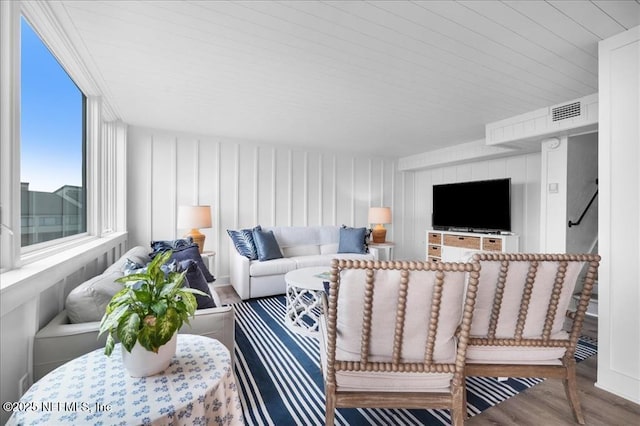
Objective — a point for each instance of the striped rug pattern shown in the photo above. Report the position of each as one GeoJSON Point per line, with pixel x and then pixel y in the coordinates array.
{"type": "Point", "coordinates": [280, 382]}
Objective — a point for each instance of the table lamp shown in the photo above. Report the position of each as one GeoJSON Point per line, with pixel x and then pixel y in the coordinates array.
{"type": "Point", "coordinates": [194, 218]}
{"type": "Point", "coordinates": [379, 216]}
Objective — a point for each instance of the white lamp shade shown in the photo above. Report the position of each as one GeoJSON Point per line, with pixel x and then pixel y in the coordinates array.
{"type": "Point", "coordinates": [380, 215]}
{"type": "Point", "coordinates": [190, 217]}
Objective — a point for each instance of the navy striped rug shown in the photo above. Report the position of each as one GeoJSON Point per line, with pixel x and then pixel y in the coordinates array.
{"type": "Point", "coordinates": [281, 384]}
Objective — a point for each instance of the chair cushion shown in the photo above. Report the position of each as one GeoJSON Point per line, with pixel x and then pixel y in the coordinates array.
{"type": "Point", "coordinates": [477, 354]}
{"type": "Point", "coordinates": [512, 296]}
{"type": "Point", "coordinates": [351, 306]}
{"type": "Point", "coordinates": [382, 381]}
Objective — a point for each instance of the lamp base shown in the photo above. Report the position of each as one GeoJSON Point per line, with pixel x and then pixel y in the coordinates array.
{"type": "Point", "coordinates": [378, 234]}
{"type": "Point", "coordinates": [198, 238]}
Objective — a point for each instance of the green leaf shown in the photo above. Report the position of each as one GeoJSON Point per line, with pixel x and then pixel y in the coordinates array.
{"type": "Point", "coordinates": [168, 289]}
{"type": "Point", "coordinates": [190, 302]}
{"type": "Point", "coordinates": [110, 320]}
{"type": "Point", "coordinates": [133, 277]}
{"type": "Point", "coordinates": [167, 325]}
{"type": "Point", "coordinates": [128, 330]}
{"type": "Point", "coordinates": [194, 291]}
{"type": "Point", "coordinates": [147, 338]}
{"type": "Point", "coordinates": [108, 348]}
{"type": "Point", "coordinates": [159, 307]}
{"type": "Point", "coordinates": [143, 296]}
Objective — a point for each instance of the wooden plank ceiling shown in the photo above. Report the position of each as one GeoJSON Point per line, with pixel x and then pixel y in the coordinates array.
{"type": "Point", "coordinates": [390, 78]}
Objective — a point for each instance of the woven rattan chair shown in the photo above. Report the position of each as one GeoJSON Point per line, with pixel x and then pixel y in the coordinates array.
{"type": "Point", "coordinates": [520, 310]}
{"type": "Point", "coordinates": [388, 336]}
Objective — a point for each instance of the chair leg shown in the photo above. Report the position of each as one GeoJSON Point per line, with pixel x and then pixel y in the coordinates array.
{"type": "Point", "coordinates": [571, 389]}
{"type": "Point", "coordinates": [330, 405]}
{"type": "Point", "coordinates": [458, 406]}
{"type": "Point", "coordinates": [464, 399]}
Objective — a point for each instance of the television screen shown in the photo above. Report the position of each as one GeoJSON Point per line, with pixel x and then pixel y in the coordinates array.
{"type": "Point", "coordinates": [480, 206]}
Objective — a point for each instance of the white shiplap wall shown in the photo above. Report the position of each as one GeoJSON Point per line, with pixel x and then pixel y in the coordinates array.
{"type": "Point", "coordinates": [248, 184]}
{"type": "Point", "coordinates": [524, 171]}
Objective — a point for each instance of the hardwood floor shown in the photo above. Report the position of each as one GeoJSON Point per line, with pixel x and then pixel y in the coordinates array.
{"type": "Point", "coordinates": [546, 404]}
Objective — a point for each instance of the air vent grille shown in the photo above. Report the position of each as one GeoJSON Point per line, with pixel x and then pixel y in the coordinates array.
{"type": "Point", "coordinates": [566, 111]}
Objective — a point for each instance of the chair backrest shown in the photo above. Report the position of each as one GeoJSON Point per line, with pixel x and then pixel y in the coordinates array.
{"type": "Point", "coordinates": [399, 316]}
{"type": "Point", "coordinates": [522, 299]}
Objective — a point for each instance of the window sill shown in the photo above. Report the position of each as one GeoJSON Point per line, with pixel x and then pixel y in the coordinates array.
{"type": "Point", "coordinates": [17, 286]}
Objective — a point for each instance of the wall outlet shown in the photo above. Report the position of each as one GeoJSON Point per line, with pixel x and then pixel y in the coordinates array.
{"type": "Point", "coordinates": [24, 384]}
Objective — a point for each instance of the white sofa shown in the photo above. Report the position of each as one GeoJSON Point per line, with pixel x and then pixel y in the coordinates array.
{"type": "Point", "coordinates": [301, 246]}
{"type": "Point", "coordinates": [61, 340]}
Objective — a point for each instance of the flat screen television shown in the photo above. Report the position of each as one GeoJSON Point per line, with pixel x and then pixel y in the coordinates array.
{"type": "Point", "coordinates": [478, 206]}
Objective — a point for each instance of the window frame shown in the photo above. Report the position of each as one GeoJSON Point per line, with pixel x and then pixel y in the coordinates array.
{"type": "Point", "coordinates": [105, 138]}
{"type": "Point", "coordinates": [36, 247]}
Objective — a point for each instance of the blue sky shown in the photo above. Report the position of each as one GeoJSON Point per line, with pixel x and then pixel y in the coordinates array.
{"type": "Point", "coordinates": [51, 119]}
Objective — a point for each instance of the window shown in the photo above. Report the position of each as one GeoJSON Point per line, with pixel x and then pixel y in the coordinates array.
{"type": "Point", "coordinates": [52, 151]}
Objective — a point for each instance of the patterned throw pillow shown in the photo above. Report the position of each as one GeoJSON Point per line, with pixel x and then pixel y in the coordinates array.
{"type": "Point", "coordinates": [164, 245]}
{"type": "Point", "coordinates": [244, 243]}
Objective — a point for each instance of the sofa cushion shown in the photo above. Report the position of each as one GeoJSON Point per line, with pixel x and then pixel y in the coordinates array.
{"type": "Point", "coordinates": [291, 236]}
{"type": "Point", "coordinates": [89, 300]}
{"type": "Point", "coordinates": [331, 248]}
{"type": "Point", "coordinates": [243, 242]}
{"type": "Point", "coordinates": [266, 245]}
{"type": "Point", "coordinates": [195, 279]}
{"type": "Point", "coordinates": [304, 250]}
{"type": "Point", "coordinates": [272, 267]}
{"type": "Point", "coordinates": [352, 240]}
{"type": "Point", "coordinates": [138, 255]}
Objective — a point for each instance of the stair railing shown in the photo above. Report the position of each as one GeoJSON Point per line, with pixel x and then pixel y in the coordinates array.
{"type": "Point", "coordinates": [585, 209]}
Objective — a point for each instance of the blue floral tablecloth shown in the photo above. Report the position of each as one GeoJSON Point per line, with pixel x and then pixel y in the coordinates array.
{"type": "Point", "coordinates": [198, 388]}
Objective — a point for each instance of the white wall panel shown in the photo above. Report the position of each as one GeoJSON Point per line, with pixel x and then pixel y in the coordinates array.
{"type": "Point", "coordinates": [524, 171]}
{"type": "Point", "coordinates": [619, 215]}
{"type": "Point", "coordinates": [249, 184]}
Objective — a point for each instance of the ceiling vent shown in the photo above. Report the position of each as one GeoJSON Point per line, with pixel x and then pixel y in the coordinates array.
{"type": "Point", "coordinates": [564, 112]}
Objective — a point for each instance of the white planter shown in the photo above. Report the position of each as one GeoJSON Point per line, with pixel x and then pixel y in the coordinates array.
{"type": "Point", "coordinates": [141, 362]}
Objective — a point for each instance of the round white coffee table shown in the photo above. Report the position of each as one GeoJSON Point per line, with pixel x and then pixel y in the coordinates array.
{"type": "Point", "coordinates": [304, 299]}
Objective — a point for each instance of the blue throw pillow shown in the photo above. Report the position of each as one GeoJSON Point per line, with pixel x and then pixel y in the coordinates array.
{"type": "Point", "coordinates": [195, 279]}
{"type": "Point", "coordinates": [266, 245]}
{"type": "Point", "coordinates": [192, 253]}
{"type": "Point", "coordinates": [352, 240]}
{"type": "Point", "coordinates": [164, 245]}
{"type": "Point", "coordinates": [243, 242]}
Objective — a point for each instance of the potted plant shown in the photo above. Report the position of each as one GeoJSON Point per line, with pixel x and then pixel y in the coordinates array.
{"type": "Point", "coordinates": [146, 315]}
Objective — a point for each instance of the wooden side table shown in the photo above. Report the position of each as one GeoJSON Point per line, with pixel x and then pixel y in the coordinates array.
{"type": "Point", "coordinates": [387, 247]}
